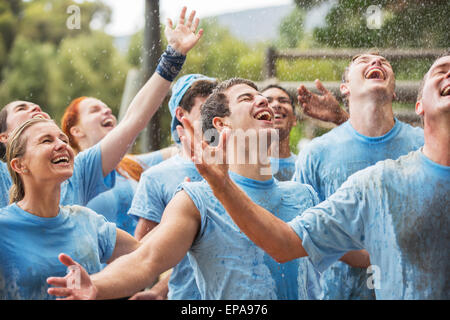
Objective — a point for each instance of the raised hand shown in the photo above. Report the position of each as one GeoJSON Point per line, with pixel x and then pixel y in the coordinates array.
{"type": "Point", "coordinates": [211, 162]}
{"type": "Point", "coordinates": [324, 107]}
{"type": "Point", "coordinates": [183, 37]}
{"type": "Point", "coordinates": [76, 285]}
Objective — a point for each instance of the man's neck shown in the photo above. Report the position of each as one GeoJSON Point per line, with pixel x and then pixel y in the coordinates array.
{"type": "Point", "coordinates": [437, 140]}
{"type": "Point", "coordinates": [261, 170]}
{"type": "Point", "coordinates": [372, 119]}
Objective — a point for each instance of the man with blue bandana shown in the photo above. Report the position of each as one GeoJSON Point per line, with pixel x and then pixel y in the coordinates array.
{"type": "Point", "coordinates": [158, 184]}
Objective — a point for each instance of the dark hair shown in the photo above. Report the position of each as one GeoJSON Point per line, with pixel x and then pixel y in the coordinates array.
{"type": "Point", "coordinates": [3, 128]}
{"type": "Point", "coordinates": [200, 88]}
{"type": "Point", "coordinates": [217, 105]}
{"type": "Point", "coordinates": [275, 86]}
{"type": "Point", "coordinates": [424, 79]}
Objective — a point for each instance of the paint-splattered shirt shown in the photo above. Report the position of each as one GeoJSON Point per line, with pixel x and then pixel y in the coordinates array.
{"type": "Point", "coordinates": [154, 191]}
{"type": "Point", "coordinates": [398, 210]}
{"type": "Point", "coordinates": [327, 161]}
{"type": "Point", "coordinates": [115, 203]}
{"type": "Point", "coordinates": [30, 246]}
{"type": "Point", "coordinates": [228, 265]}
{"type": "Point", "coordinates": [283, 168]}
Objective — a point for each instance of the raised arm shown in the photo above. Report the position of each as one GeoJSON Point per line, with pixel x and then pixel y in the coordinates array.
{"type": "Point", "coordinates": [273, 235]}
{"type": "Point", "coordinates": [166, 247]}
{"type": "Point", "coordinates": [180, 39]}
{"type": "Point", "coordinates": [323, 107]}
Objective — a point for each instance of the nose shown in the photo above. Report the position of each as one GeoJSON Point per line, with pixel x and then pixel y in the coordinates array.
{"type": "Point", "coordinates": [261, 101]}
{"type": "Point", "coordinates": [376, 62]}
{"type": "Point", "coordinates": [107, 111]}
{"type": "Point", "coordinates": [36, 108]}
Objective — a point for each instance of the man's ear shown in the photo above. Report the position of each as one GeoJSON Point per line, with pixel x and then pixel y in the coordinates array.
{"type": "Point", "coordinates": [220, 123]}
{"type": "Point", "coordinates": [419, 108]}
{"type": "Point", "coordinates": [344, 89]}
{"type": "Point", "coordinates": [179, 113]}
{"type": "Point", "coordinates": [76, 132]}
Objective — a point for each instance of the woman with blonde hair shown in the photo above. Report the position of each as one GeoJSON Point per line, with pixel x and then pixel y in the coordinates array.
{"type": "Point", "coordinates": [34, 228]}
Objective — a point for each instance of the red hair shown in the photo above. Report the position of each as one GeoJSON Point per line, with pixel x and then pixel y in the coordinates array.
{"type": "Point", "coordinates": [70, 119]}
{"type": "Point", "coordinates": [127, 167]}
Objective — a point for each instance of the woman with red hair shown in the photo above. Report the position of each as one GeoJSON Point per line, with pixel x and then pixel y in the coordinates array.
{"type": "Point", "coordinates": [86, 121]}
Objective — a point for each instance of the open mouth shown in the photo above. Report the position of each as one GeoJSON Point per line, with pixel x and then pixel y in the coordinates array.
{"type": "Point", "coordinates": [278, 116]}
{"type": "Point", "coordinates": [108, 123]}
{"type": "Point", "coordinates": [39, 115]}
{"type": "Point", "coordinates": [375, 73]}
{"type": "Point", "coordinates": [60, 160]}
{"type": "Point", "coordinates": [446, 91]}
{"type": "Point", "coordinates": [263, 115]}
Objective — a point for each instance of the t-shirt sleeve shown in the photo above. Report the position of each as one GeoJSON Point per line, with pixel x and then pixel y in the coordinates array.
{"type": "Point", "coordinates": [88, 177]}
{"type": "Point", "coordinates": [147, 160]}
{"type": "Point", "coordinates": [149, 199]}
{"type": "Point", "coordinates": [106, 234]}
{"type": "Point", "coordinates": [336, 225]}
{"type": "Point", "coordinates": [198, 195]}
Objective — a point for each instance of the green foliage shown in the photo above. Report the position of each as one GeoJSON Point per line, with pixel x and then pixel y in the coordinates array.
{"type": "Point", "coordinates": [404, 24]}
{"type": "Point", "coordinates": [291, 30]}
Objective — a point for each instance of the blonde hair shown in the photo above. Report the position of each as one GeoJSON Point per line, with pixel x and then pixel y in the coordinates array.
{"type": "Point", "coordinates": [16, 148]}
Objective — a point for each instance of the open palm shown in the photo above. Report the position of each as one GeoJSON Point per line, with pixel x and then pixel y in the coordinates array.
{"type": "Point", "coordinates": [183, 37]}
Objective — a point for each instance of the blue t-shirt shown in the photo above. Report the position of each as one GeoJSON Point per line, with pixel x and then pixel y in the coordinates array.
{"type": "Point", "coordinates": [86, 182]}
{"type": "Point", "coordinates": [398, 210]}
{"type": "Point", "coordinates": [228, 265]}
{"type": "Point", "coordinates": [30, 246]}
{"type": "Point", "coordinates": [284, 168]}
{"type": "Point", "coordinates": [154, 191]}
{"type": "Point", "coordinates": [115, 203]}
{"type": "Point", "coordinates": [327, 161]}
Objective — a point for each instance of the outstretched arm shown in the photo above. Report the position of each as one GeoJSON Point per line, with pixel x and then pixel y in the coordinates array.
{"type": "Point", "coordinates": [323, 107]}
{"type": "Point", "coordinates": [147, 101]}
{"type": "Point", "coordinates": [166, 247]}
{"type": "Point", "coordinates": [273, 235]}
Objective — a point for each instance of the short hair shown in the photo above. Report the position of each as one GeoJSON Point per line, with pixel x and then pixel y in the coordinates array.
{"type": "Point", "coordinates": [217, 104]}
{"type": "Point", "coordinates": [424, 79]}
{"type": "Point", "coordinates": [373, 52]}
{"type": "Point", "coordinates": [16, 148]}
{"type": "Point", "coordinates": [276, 86]}
{"type": "Point", "coordinates": [200, 88]}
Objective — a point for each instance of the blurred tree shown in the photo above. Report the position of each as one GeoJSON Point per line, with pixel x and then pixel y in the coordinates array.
{"type": "Point", "coordinates": [45, 20]}
{"type": "Point", "coordinates": [413, 23]}
{"type": "Point", "coordinates": [291, 29]}
{"type": "Point", "coordinates": [9, 12]}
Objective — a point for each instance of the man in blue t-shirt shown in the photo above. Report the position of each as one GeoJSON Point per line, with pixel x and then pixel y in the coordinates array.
{"type": "Point", "coordinates": [283, 106]}
{"type": "Point", "coordinates": [227, 264]}
{"type": "Point", "coordinates": [159, 183]}
{"type": "Point", "coordinates": [397, 210]}
{"type": "Point", "coordinates": [369, 135]}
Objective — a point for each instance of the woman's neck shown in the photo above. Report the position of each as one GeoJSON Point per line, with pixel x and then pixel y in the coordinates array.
{"type": "Point", "coordinates": [41, 201]}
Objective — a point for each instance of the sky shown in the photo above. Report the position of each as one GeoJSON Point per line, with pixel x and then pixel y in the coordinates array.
{"type": "Point", "coordinates": [128, 15]}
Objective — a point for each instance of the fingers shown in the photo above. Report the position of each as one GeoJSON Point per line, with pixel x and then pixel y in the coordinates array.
{"type": "Point", "coordinates": [57, 281]}
{"type": "Point", "coordinates": [190, 19]}
{"type": "Point", "coordinates": [60, 292]}
{"type": "Point", "coordinates": [182, 15]}
{"type": "Point", "coordinates": [169, 23]}
{"type": "Point", "coordinates": [320, 87]}
{"type": "Point", "coordinates": [66, 260]}
{"type": "Point", "coordinates": [195, 25]}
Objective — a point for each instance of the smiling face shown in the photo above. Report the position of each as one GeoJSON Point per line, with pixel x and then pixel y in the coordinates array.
{"type": "Point", "coordinates": [249, 109]}
{"type": "Point", "coordinates": [48, 155]}
{"type": "Point", "coordinates": [435, 97]}
{"type": "Point", "coordinates": [20, 111]}
{"type": "Point", "coordinates": [95, 122]}
{"type": "Point", "coordinates": [284, 117]}
{"type": "Point", "coordinates": [369, 75]}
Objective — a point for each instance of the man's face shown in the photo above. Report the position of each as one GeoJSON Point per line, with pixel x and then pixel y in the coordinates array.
{"type": "Point", "coordinates": [436, 90]}
{"type": "Point", "coordinates": [369, 74]}
{"type": "Point", "coordinates": [284, 117]}
{"type": "Point", "coordinates": [249, 109]}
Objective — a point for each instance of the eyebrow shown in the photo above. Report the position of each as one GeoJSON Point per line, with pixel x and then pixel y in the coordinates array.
{"type": "Point", "coordinates": [20, 105]}
{"type": "Point", "coordinates": [442, 65]}
{"type": "Point", "coordinates": [245, 95]}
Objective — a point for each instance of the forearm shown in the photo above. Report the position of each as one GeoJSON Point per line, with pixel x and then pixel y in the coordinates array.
{"type": "Point", "coordinates": [267, 231]}
{"type": "Point", "coordinates": [357, 258]}
{"type": "Point", "coordinates": [125, 276]}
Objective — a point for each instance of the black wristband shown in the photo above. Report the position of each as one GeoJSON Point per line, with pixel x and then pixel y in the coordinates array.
{"type": "Point", "coordinates": [170, 64]}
